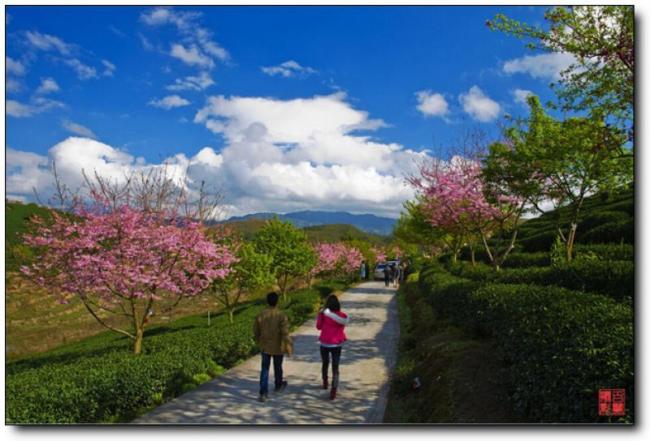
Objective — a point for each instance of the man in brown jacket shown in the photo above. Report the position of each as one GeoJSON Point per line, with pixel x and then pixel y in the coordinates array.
{"type": "Point", "coordinates": [271, 329]}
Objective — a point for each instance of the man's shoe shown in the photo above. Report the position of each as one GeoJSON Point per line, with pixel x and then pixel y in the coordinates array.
{"type": "Point", "coordinates": [262, 398]}
{"type": "Point", "coordinates": [281, 387]}
{"type": "Point", "coordinates": [325, 385]}
{"type": "Point", "coordinates": [333, 393]}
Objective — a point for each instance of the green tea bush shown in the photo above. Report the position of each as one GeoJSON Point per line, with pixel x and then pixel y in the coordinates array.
{"type": "Point", "coordinates": [561, 346]}
{"type": "Point", "coordinates": [539, 242]}
{"type": "Point", "coordinates": [604, 251]}
{"type": "Point", "coordinates": [611, 278]}
{"type": "Point", "coordinates": [100, 380]}
{"type": "Point", "coordinates": [600, 218]}
{"type": "Point", "coordinates": [612, 232]}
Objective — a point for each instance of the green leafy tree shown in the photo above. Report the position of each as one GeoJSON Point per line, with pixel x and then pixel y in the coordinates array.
{"type": "Point", "coordinates": [601, 40]}
{"type": "Point", "coordinates": [565, 162]}
{"type": "Point", "coordinates": [291, 254]}
{"type": "Point", "coordinates": [252, 271]}
{"type": "Point", "coordinates": [413, 228]}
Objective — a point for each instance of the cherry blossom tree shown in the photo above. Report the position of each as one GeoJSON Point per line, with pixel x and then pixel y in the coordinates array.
{"type": "Point", "coordinates": [119, 261]}
{"type": "Point", "coordinates": [457, 201]}
{"type": "Point", "coordinates": [337, 259]}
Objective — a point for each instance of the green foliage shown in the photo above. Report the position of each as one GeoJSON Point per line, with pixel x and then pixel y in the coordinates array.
{"type": "Point", "coordinates": [558, 253]}
{"type": "Point", "coordinates": [606, 251]}
{"type": "Point", "coordinates": [17, 217]}
{"type": "Point", "coordinates": [289, 250]}
{"type": "Point", "coordinates": [250, 273]}
{"type": "Point", "coordinates": [601, 38]}
{"type": "Point", "coordinates": [561, 346]}
{"type": "Point", "coordinates": [610, 278]}
{"type": "Point", "coordinates": [616, 232]}
{"type": "Point", "coordinates": [99, 380]}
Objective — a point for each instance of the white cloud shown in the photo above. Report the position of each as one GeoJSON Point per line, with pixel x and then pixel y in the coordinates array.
{"type": "Point", "coordinates": [521, 95]}
{"type": "Point", "coordinates": [431, 104]}
{"type": "Point", "coordinates": [109, 68]}
{"type": "Point", "coordinates": [544, 66]}
{"type": "Point", "coordinates": [18, 110]}
{"type": "Point", "coordinates": [84, 72]}
{"type": "Point", "coordinates": [278, 155]}
{"type": "Point", "coordinates": [198, 46]}
{"type": "Point", "coordinates": [116, 31]}
{"type": "Point", "coordinates": [48, 85]}
{"type": "Point", "coordinates": [169, 102]}
{"type": "Point", "coordinates": [13, 85]}
{"type": "Point", "coordinates": [46, 42]}
{"type": "Point", "coordinates": [37, 105]}
{"type": "Point", "coordinates": [198, 82]}
{"type": "Point", "coordinates": [26, 171]}
{"type": "Point", "coordinates": [15, 67]}
{"type": "Point", "coordinates": [146, 44]}
{"type": "Point", "coordinates": [78, 129]}
{"type": "Point", "coordinates": [288, 69]}
{"type": "Point", "coordinates": [191, 55]}
{"type": "Point", "coordinates": [478, 105]}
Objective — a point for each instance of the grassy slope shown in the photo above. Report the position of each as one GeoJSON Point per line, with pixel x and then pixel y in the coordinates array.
{"type": "Point", "coordinates": [458, 373]}
{"type": "Point", "coordinates": [37, 322]}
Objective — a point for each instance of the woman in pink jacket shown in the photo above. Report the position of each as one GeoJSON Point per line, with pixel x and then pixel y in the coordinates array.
{"type": "Point", "coordinates": [331, 322]}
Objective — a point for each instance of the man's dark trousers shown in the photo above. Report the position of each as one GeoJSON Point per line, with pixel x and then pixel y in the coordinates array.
{"type": "Point", "coordinates": [277, 371]}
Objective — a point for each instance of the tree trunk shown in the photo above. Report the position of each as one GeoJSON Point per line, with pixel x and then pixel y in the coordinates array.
{"type": "Point", "coordinates": [231, 315]}
{"type": "Point", "coordinates": [570, 240]}
{"type": "Point", "coordinates": [137, 344]}
{"type": "Point", "coordinates": [472, 255]}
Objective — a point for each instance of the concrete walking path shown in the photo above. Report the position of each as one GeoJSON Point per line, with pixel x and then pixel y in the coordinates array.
{"type": "Point", "coordinates": [367, 359]}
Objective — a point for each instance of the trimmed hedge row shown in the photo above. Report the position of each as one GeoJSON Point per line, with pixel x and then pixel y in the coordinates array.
{"type": "Point", "coordinates": [561, 346]}
{"type": "Point", "coordinates": [614, 279]}
{"type": "Point", "coordinates": [87, 383]}
{"type": "Point", "coordinates": [605, 251]}
{"type": "Point", "coordinates": [612, 232]}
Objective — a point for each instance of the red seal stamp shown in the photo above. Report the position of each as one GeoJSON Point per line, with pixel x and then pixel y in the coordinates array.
{"type": "Point", "coordinates": [611, 402]}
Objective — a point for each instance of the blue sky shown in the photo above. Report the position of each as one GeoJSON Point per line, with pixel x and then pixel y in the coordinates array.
{"type": "Point", "coordinates": [346, 94]}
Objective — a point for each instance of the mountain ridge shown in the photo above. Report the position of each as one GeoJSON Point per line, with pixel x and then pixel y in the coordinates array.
{"type": "Point", "coordinates": [369, 223]}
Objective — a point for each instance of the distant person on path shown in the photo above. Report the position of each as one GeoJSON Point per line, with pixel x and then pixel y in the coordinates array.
{"type": "Point", "coordinates": [397, 274]}
{"type": "Point", "coordinates": [331, 322]}
{"type": "Point", "coordinates": [363, 270]}
{"type": "Point", "coordinates": [367, 271]}
{"type": "Point", "coordinates": [386, 275]}
{"type": "Point", "coordinates": [271, 330]}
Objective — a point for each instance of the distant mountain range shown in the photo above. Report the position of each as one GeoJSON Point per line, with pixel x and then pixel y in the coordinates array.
{"type": "Point", "coordinates": [365, 222]}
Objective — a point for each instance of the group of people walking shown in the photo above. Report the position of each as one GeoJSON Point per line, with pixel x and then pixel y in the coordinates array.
{"type": "Point", "coordinates": [271, 330]}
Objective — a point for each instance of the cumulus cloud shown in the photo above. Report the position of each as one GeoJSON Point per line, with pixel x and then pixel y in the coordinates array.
{"type": "Point", "coordinates": [109, 68]}
{"type": "Point", "coordinates": [48, 85]}
{"type": "Point", "coordinates": [478, 105]}
{"type": "Point", "coordinates": [84, 72]}
{"type": "Point", "coordinates": [521, 95]}
{"type": "Point", "coordinates": [193, 82]}
{"type": "Point", "coordinates": [278, 155]}
{"type": "Point", "coordinates": [431, 104]}
{"type": "Point", "coordinates": [12, 85]}
{"type": "Point", "coordinates": [197, 46]}
{"type": "Point", "coordinates": [169, 102]}
{"type": "Point", "coordinates": [543, 66]}
{"type": "Point", "coordinates": [46, 42]}
{"type": "Point", "coordinates": [288, 69]}
{"type": "Point", "coordinates": [37, 105]}
{"type": "Point", "coordinates": [191, 56]}
{"type": "Point", "coordinates": [78, 129]}
{"type": "Point", "coordinates": [15, 67]}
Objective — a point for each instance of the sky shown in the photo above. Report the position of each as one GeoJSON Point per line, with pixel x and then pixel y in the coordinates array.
{"type": "Point", "coordinates": [280, 108]}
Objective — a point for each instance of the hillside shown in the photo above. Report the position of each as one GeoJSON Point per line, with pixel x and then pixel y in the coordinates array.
{"type": "Point", "coordinates": [603, 219]}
